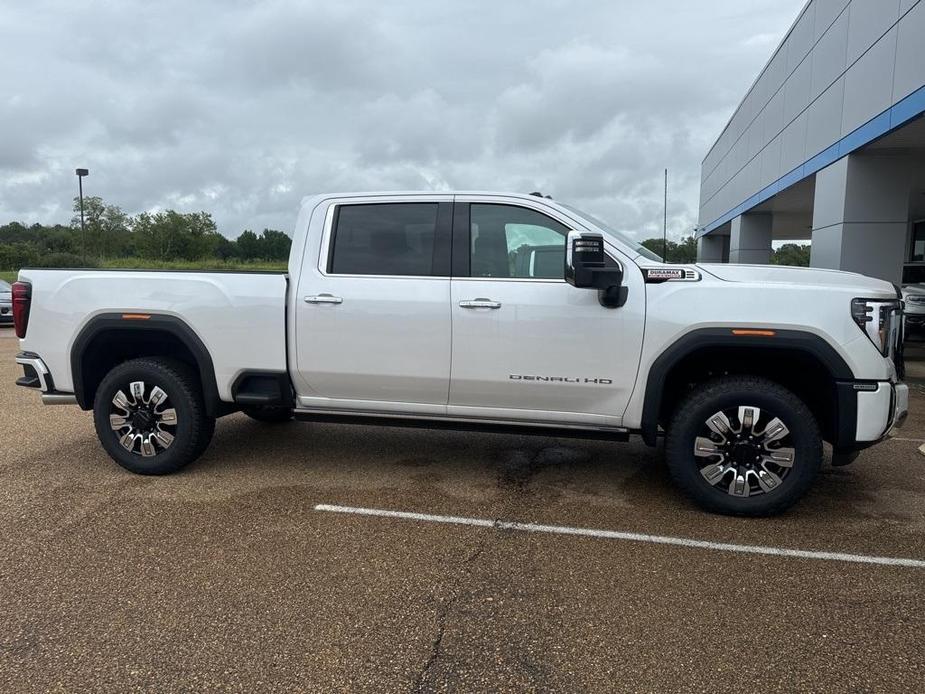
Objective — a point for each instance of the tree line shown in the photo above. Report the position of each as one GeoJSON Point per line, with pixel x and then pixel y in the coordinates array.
{"type": "Point", "coordinates": [166, 237]}
{"type": "Point", "coordinates": [686, 252]}
{"type": "Point", "coordinates": [110, 234]}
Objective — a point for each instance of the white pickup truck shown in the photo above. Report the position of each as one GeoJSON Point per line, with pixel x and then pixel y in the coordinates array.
{"type": "Point", "coordinates": [481, 311]}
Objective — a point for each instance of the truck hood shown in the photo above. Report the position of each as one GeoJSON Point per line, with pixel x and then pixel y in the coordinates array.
{"type": "Point", "coordinates": [780, 274]}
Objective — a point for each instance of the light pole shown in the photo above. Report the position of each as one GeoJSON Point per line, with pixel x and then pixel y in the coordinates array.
{"type": "Point", "coordinates": [665, 223]}
{"type": "Point", "coordinates": [83, 231]}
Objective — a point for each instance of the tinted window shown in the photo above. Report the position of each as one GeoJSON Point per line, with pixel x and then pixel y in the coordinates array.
{"type": "Point", "coordinates": [509, 241]}
{"type": "Point", "coordinates": [918, 242]}
{"type": "Point", "coordinates": [384, 239]}
{"type": "Point", "coordinates": [914, 274]}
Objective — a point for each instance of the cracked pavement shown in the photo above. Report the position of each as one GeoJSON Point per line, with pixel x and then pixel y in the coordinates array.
{"type": "Point", "coordinates": [225, 578]}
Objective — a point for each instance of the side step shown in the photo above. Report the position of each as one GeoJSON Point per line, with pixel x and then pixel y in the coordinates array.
{"type": "Point", "coordinates": [462, 424]}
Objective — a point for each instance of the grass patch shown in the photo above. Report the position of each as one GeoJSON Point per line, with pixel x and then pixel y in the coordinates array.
{"type": "Point", "coordinates": [205, 264]}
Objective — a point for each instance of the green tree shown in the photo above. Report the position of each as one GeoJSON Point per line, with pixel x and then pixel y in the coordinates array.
{"type": "Point", "coordinates": [684, 252]}
{"type": "Point", "coordinates": [107, 228]}
{"type": "Point", "coordinates": [248, 244]}
{"type": "Point", "coordinates": [171, 235]}
{"type": "Point", "coordinates": [791, 254]}
{"type": "Point", "coordinates": [276, 245]}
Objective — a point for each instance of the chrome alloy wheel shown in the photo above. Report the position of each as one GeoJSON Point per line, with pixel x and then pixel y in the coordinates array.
{"type": "Point", "coordinates": [744, 451]}
{"type": "Point", "coordinates": [142, 420]}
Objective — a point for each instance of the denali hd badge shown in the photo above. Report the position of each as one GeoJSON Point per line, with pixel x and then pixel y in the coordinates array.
{"type": "Point", "coordinates": [561, 379]}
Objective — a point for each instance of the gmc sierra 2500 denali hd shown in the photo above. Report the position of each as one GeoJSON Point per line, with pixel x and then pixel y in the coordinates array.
{"type": "Point", "coordinates": [481, 310]}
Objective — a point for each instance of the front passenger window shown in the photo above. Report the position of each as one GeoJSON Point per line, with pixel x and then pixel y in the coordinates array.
{"type": "Point", "coordinates": [515, 242]}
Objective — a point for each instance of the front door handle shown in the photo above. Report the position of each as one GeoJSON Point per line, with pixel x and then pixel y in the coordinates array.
{"type": "Point", "coordinates": [480, 303]}
{"type": "Point", "coordinates": [323, 299]}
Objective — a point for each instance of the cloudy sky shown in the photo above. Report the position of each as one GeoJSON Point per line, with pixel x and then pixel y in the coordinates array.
{"type": "Point", "coordinates": [241, 108]}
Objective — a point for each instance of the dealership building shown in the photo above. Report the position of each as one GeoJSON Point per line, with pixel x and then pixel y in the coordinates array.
{"type": "Point", "coordinates": [828, 145]}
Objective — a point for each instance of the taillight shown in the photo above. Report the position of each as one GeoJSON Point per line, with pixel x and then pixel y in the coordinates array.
{"type": "Point", "coordinates": [22, 300]}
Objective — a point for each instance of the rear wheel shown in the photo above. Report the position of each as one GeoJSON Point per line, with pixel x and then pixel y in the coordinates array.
{"type": "Point", "coordinates": [744, 446]}
{"type": "Point", "coordinates": [150, 417]}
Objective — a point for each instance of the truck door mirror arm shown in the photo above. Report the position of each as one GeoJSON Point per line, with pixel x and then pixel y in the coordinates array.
{"type": "Point", "coordinates": [585, 268]}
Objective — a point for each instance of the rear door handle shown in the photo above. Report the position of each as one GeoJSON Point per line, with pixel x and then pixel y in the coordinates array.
{"type": "Point", "coordinates": [323, 299]}
{"type": "Point", "coordinates": [480, 303]}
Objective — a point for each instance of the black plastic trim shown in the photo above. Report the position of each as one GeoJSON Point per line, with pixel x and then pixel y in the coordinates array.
{"type": "Point", "coordinates": [156, 323]}
{"type": "Point", "coordinates": [461, 240]}
{"type": "Point", "coordinates": [443, 240]}
{"type": "Point", "coordinates": [847, 419]}
{"type": "Point", "coordinates": [29, 379]}
{"type": "Point", "coordinates": [411, 421]}
{"type": "Point", "coordinates": [784, 340]}
{"type": "Point", "coordinates": [263, 389]}
{"type": "Point", "coordinates": [32, 380]}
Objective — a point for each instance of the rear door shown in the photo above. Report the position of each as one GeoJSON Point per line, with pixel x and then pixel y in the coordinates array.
{"type": "Point", "coordinates": [372, 318]}
{"type": "Point", "coordinates": [527, 345]}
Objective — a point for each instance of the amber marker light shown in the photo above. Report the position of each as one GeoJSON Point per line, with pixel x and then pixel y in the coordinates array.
{"type": "Point", "coordinates": [754, 333]}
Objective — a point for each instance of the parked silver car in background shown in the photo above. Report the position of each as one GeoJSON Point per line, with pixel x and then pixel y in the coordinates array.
{"type": "Point", "coordinates": [6, 304]}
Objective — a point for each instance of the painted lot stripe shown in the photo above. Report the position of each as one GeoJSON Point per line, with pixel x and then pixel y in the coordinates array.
{"type": "Point", "coordinates": [625, 536]}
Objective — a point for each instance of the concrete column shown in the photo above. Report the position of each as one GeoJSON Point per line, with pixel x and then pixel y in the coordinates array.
{"type": "Point", "coordinates": [750, 239]}
{"type": "Point", "coordinates": [710, 249]}
{"type": "Point", "coordinates": [861, 215]}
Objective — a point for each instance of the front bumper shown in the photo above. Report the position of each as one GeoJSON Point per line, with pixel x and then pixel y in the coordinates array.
{"type": "Point", "coordinates": [868, 411]}
{"type": "Point", "coordinates": [6, 314]}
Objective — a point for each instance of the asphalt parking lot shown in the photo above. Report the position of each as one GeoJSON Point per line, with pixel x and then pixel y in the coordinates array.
{"type": "Point", "coordinates": [226, 577]}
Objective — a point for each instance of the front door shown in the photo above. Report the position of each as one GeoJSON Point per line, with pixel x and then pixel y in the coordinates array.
{"type": "Point", "coordinates": [373, 318]}
{"type": "Point", "coordinates": [526, 344]}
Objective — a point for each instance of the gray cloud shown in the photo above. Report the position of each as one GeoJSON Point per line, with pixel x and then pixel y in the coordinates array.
{"type": "Point", "coordinates": [242, 108]}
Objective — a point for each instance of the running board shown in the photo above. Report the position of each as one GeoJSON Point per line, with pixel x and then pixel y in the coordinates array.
{"type": "Point", "coordinates": [461, 424]}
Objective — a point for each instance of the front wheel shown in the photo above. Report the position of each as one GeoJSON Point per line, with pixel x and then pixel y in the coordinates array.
{"type": "Point", "coordinates": [743, 446]}
{"type": "Point", "coordinates": [150, 417]}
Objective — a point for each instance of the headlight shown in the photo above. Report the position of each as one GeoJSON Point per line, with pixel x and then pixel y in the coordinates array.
{"type": "Point", "coordinates": [880, 320]}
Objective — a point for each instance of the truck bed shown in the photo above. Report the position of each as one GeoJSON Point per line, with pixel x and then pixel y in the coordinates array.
{"type": "Point", "coordinates": [239, 316]}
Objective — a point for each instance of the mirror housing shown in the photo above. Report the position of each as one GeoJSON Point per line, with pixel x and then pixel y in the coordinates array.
{"type": "Point", "coordinates": [585, 268]}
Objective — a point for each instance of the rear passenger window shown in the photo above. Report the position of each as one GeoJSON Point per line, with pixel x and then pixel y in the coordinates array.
{"type": "Point", "coordinates": [384, 239]}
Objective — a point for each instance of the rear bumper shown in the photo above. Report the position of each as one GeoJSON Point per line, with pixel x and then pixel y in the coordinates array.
{"type": "Point", "coordinates": [37, 377]}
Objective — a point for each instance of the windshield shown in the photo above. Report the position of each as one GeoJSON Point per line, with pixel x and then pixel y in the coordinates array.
{"type": "Point", "coordinates": [5, 287]}
{"type": "Point", "coordinates": [632, 243]}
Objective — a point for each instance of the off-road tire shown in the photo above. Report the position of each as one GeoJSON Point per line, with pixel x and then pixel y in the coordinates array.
{"type": "Point", "coordinates": [191, 433]}
{"type": "Point", "coordinates": [725, 394]}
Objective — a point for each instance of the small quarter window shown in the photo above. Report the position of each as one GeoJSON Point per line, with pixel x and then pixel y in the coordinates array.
{"type": "Point", "coordinates": [384, 239]}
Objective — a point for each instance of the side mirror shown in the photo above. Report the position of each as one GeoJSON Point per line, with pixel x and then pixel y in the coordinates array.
{"type": "Point", "coordinates": [585, 268]}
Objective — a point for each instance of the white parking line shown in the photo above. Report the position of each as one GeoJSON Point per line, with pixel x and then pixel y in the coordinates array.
{"type": "Point", "coordinates": [626, 536]}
